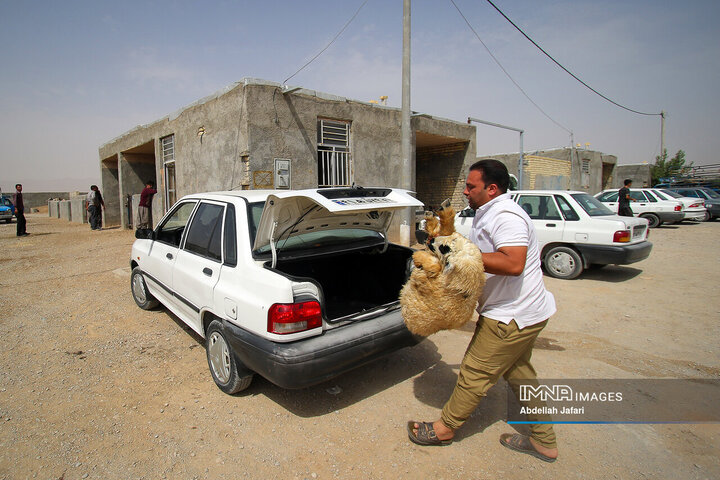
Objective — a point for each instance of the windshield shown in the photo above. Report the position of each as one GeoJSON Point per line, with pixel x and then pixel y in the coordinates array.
{"type": "Point", "coordinates": [671, 193]}
{"type": "Point", "coordinates": [591, 205]}
{"type": "Point", "coordinates": [710, 193]}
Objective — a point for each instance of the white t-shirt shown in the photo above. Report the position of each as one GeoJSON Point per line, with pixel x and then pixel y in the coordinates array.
{"type": "Point", "coordinates": [503, 223]}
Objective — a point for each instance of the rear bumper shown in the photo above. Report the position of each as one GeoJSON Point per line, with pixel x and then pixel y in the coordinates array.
{"type": "Point", "coordinates": [616, 255]}
{"type": "Point", "coordinates": [316, 359]}
{"type": "Point", "coordinates": [696, 216]}
{"type": "Point", "coordinates": [670, 216]}
{"type": "Point", "coordinates": [714, 209]}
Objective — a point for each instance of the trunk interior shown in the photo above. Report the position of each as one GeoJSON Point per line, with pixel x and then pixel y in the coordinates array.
{"type": "Point", "coordinates": [353, 282]}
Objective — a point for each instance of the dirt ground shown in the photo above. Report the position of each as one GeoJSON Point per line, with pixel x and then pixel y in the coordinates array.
{"type": "Point", "coordinates": [93, 387]}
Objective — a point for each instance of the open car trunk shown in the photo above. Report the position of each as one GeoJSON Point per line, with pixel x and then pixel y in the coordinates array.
{"type": "Point", "coordinates": [354, 282]}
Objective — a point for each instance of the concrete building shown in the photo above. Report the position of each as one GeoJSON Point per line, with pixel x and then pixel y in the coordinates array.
{"type": "Point", "coordinates": [256, 135]}
{"type": "Point", "coordinates": [563, 169]}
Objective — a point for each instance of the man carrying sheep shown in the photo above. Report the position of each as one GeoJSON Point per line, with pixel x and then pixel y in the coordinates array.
{"type": "Point", "coordinates": [514, 307]}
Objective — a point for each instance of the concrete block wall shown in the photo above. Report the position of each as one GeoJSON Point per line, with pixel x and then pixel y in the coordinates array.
{"type": "Point", "coordinates": [65, 209]}
{"type": "Point", "coordinates": [78, 212]}
{"type": "Point", "coordinates": [54, 208]}
{"type": "Point", "coordinates": [544, 173]}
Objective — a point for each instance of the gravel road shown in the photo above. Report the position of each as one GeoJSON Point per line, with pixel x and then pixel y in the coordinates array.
{"type": "Point", "coordinates": [93, 387]}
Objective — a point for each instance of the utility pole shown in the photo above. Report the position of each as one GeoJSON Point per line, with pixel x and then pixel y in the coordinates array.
{"type": "Point", "coordinates": [406, 176]}
{"type": "Point", "coordinates": [662, 133]}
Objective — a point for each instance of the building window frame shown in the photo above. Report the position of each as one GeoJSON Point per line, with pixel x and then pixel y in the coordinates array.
{"type": "Point", "coordinates": [333, 153]}
{"type": "Point", "coordinates": [167, 148]}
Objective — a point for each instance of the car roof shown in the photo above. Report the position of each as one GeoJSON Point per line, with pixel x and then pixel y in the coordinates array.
{"type": "Point", "coordinates": [249, 195]}
{"type": "Point", "coordinates": [546, 191]}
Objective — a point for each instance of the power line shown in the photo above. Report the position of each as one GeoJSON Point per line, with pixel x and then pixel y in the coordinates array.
{"type": "Point", "coordinates": [328, 45]}
{"type": "Point", "coordinates": [505, 71]}
{"type": "Point", "coordinates": [568, 71]}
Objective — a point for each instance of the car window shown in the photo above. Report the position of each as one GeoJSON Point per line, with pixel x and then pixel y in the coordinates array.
{"type": "Point", "coordinates": [567, 210]}
{"type": "Point", "coordinates": [670, 193]}
{"type": "Point", "coordinates": [539, 207]}
{"type": "Point", "coordinates": [230, 236]}
{"type": "Point", "coordinates": [204, 235]}
{"type": "Point", "coordinates": [651, 196]}
{"type": "Point", "coordinates": [325, 238]}
{"type": "Point", "coordinates": [591, 205]}
{"type": "Point", "coordinates": [608, 197]}
{"type": "Point", "coordinates": [639, 196]}
{"type": "Point", "coordinates": [7, 202]}
{"type": "Point", "coordinates": [689, 193]}
{"type": "Point", "coordinates": [467, 212]}
{"type": "Point", "coordinates": [254, 213]}
{"type": "Point", "coordinates": [171, 230]}
{"type": "Point", "coordinates": [660, 195]}
{"type": "Point", "coordinates": [710, 193]}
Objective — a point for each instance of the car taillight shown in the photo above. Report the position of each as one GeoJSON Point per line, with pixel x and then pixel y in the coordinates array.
{"type": "Point", "coordinates": [622, 236]}
{"type": "Point", "coordinates": [695, 205]}
{"type": "Point", "coordinates": [678, 208]}
{"type": "Point", "coordinates": [284, 318]}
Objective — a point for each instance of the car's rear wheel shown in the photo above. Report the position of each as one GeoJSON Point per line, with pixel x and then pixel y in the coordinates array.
{"type": "Point", "coordinates": [222, 362]}
{"type": "Point", "coordinates": [563, 262]}
{"type": "Point", "coordinates": [706, 217]}
{"type": "Point", "coordinates": [140, 293]}
{"type": "Point", "coordinates": [653, 220]}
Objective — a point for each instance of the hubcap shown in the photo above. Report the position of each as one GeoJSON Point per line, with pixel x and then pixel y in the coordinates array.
{"type": "Point", "coordinates": [219, 357]}
{"type": "Point", "coordinates": [562, 263]}
{"type": "Point", "coordinates": [139, 288]}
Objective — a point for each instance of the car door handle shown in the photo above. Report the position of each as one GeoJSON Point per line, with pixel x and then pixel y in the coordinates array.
{"type": "Point", "coordinates": [169, 256]}
{"type": "Point", "coordinates": [550, 225]}
{"type": "Point", "coordinates": [207, 272]}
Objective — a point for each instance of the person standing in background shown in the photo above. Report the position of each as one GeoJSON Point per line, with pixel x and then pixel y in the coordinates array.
{"type": "Point", "coordinates": [145, 207]}
{"type": "Point", "coordinates": [95, 204]}
{"type": "Point", "coordinates": [17, 200]}
{"type": "Point", "coordinates": [624, 199]}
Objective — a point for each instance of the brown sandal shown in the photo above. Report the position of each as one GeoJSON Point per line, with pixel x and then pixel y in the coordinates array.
{"type": "Point", "coordinates": [521, 443]}
{"type": "Point", "coordinates": [425, 434]}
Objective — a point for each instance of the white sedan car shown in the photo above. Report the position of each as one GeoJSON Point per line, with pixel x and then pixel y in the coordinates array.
{"type": "Point", "coordinates": [296, 286]}
{"type": "Point", "coordinates": [646, 205]}
{"type": "Point", "coordinates": [693, 208]}
{"type": "Point", "coordinates": [575, 231]}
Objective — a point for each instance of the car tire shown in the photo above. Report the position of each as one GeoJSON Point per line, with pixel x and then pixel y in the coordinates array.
{"type": "Point", "coordinates": [653, 220]}
{"type": "Point", "coordinates": [707, 217]}
{"type": "Point", "coordinates": [563, 262]}
{"type": "Point", "coordinates": [143, 298]}
{"type": "Point", "coordinates": [228, 373]}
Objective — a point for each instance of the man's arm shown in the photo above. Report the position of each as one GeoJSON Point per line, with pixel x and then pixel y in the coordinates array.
{"type": "Point", "coordinates": [506, 261]}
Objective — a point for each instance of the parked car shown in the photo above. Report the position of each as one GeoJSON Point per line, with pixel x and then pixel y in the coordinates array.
{"type": "Point", "coordinates": [693, 208]}
{"type": "Point", "coordinates": [575, 231]}
{"type": "Point", "coordinates": [646, 206]}
{"type": "Point", "coordinates": [708, 195]}
{"type": "Point", "coordinates": [7, 209]}
{"type": "Point", "coordinates": [296, 286]}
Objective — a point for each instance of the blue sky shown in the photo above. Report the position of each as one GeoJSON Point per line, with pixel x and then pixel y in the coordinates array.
{"type": "Point", "coordinates": [76, 74]}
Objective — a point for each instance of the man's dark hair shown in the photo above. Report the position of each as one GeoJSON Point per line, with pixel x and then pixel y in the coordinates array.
{"type": "Point", "coordinates": [493, 171]}
{"type": "Point", "coordinates": [18, 185]}
{"type": "Point", "coordinates": [151, 183]}
{"type": "Point", "coordinates": [627, 181]}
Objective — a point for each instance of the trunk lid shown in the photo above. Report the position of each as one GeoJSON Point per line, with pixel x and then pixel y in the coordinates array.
{"type": "Point", "coordinates": [296, 212]}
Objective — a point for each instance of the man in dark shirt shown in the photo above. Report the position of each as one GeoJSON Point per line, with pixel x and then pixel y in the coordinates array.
{"type": "Point", "coordinates": [17, 200]}
{"type": "Point", "coordinates": [624, 200]}
{"type": "Point", "coordinates": [145, 207]}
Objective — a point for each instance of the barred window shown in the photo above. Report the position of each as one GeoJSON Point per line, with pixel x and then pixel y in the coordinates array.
{"type": "Point", "coordinates": [334, 159]}
{"type": "Point", "coordinates": [167, 145]}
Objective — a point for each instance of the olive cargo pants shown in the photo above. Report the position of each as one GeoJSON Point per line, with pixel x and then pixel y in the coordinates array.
{"type": "Point", "coordinates": [496, 349]}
